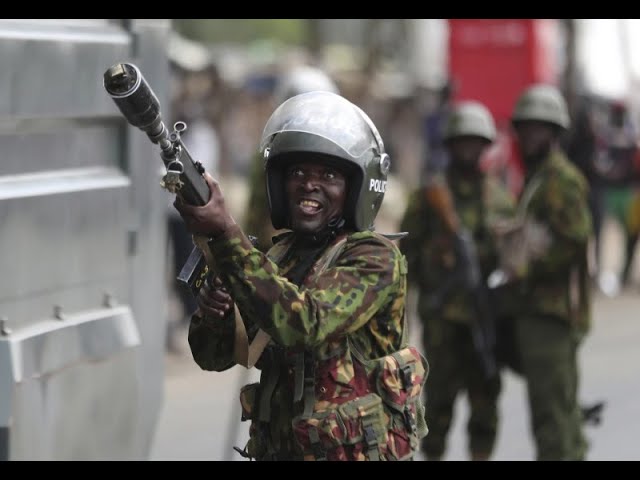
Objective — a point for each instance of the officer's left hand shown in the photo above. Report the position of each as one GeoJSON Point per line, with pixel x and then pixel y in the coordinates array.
{"type": "Point", "coordinates": [212, 219]}
{"type": "Point", "coordinates": [214, 300]}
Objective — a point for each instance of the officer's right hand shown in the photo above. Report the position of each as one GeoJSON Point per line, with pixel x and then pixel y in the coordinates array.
{"type": "Point", "coordinates": [212, 219]}
{"type": "Point", "coordinates": [214, 301]}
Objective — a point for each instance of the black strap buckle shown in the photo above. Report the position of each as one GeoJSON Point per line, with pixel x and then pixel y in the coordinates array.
{"type": "Point", "coordinates": [371, 439]}
{"type": "Point", "coordinates": [405, 376]}
{"type": "Point", "coordinates": [318, 450]}
{"type": "Point", "coordinates": [370, 436]}
{"type": "Point", "coordinates": [409, 420]}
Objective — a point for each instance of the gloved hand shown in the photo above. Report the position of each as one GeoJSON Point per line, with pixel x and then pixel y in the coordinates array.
{"type": "Point", "coordinates": [212, 219]}
{"type": "Point", "coordinates": [214, 301]}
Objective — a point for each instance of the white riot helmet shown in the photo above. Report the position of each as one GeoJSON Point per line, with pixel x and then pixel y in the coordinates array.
{"type": "Point", "coordinates": [303, 79]}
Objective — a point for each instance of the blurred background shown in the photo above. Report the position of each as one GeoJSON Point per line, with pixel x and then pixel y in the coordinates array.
{"type": "Point", "coordinates": [94, 361]}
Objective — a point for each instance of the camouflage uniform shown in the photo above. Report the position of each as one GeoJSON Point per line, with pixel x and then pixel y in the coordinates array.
{"type": "Point", "coordinates": [338, 380]}
{"type": "Point", "coordinates": [446, 327]}
{"type": "Point", "coordinates": [554, 309]}
{"type": "Point", "coordinates": [552, 276]}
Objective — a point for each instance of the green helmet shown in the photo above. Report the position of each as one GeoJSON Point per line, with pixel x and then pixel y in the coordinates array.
{"type": "Point", "coordinates": [329, 128]}
{"type": "Point", "coordinates": [470, 119]}
{"type": "Point", "coordinates": [544, 103]}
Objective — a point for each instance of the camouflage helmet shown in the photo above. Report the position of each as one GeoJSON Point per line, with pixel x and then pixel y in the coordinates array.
{"type": "Point", "coordinates": [470, 119]}
{"type": "Point", "coordinates": [303, 79]}
{"type": "Point", "coordinates": [328, 128]}
{"type": "Point", "coordinates": [543, 103]}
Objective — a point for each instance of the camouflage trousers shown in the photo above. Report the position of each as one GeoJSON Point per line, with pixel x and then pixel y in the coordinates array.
{"type": "Point", "coordinates": [547, 347]}
{"type": "Point", "coordinates": [455, 368]}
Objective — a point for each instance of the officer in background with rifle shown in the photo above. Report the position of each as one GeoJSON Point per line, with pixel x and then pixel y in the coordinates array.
{"type": "Point", "coordinates": [450, 252]}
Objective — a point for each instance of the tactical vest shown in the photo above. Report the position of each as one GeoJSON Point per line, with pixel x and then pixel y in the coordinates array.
{"type": "Point", "coordinates": [347, 406]}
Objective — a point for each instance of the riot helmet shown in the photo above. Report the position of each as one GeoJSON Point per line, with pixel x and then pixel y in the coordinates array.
{"type": "Point", "coordinates": [326, 127]}
{"type": "Point", "coordinates": [470, 119]}
{"type": "Point", "coordinates": [543, 103]}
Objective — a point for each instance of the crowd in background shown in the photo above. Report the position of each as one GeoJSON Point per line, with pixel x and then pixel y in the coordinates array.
{"type": "Point", "coordinates": [226, 119]}
{"type": "Point", "coordinates": [225, 122]}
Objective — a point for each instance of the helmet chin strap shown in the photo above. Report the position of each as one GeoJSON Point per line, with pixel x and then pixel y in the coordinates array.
{"type": "Point", "coordinates": [336, 223]}
{"type": "Point", "coordinates": [328, 233]}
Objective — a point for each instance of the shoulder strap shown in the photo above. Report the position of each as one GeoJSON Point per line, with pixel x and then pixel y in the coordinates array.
{"type": "Point", "coordinates": [329, 259]}
{"type": "Point", "coordinates": [245, 353]}
{"type": "Point", "coordinates": [395, 236]}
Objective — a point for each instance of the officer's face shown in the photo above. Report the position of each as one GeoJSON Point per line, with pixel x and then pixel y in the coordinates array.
{"type": "Point", "coordinates": [315, 194]}
{"type": "Point", "coordinates": [534, 138]}
{"type": "Point", "coordinates": [466, 152]}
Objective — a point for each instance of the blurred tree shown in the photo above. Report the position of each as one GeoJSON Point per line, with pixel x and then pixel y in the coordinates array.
{"type": "Point", "coordinates": [208, 30]}
{"type": "Point", "coordinates": [314, 34]}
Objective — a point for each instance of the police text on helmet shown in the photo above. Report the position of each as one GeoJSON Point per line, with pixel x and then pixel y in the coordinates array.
{"type": "Point", "coordinates": [376, 185]}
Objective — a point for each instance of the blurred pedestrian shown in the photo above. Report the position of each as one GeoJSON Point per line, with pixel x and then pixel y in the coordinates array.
{"type": "Point", "coordinates": [435, 122]}
{"type": "Point", "coordinates": [196, 106]}
{"type": "Point", "coordinates": [616, 164]}
{"type": "Point", "coordinates": [581, 144]}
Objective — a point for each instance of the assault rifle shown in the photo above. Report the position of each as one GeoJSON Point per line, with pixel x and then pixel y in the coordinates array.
{"type": "Point", "coordinates": [468, 275]}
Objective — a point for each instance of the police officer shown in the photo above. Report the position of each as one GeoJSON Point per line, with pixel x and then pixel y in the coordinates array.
{"type": "Point", "coordinates": [434, 126]}
{"type": "Point", "coordinates": [445, 303]}
{"type": "Point", "coordinates": [549, 261]}
{"type": "Point", "coordinates": [338, 380]}
{"type": "Point", "coordinates": [299, 79]}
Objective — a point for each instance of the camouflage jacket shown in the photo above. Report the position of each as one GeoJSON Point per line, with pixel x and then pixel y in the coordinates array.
{"type": "Point", "coordinates": [429, 247]}
{"type": "Point", "coordinates": [556, 283]}
{"type": "Point", "coordinates": [351, 309]}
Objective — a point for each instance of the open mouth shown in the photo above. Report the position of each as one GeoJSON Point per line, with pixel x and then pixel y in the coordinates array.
{"type": "Point", "coordinates": [309, 207]}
